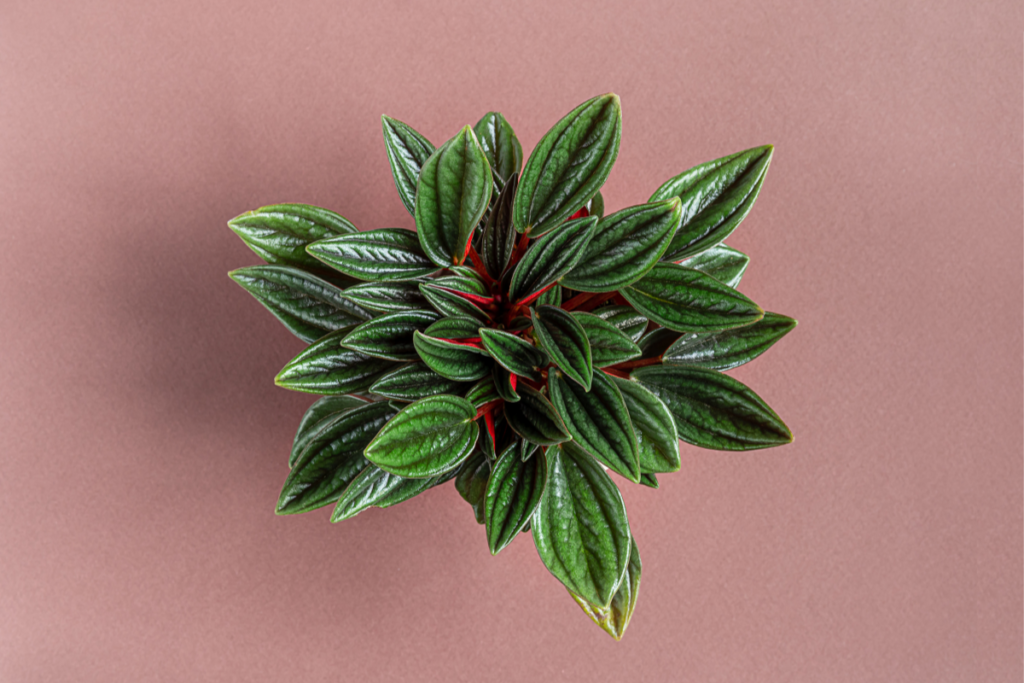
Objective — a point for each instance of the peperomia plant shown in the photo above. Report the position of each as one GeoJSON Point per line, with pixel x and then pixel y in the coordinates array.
{"type": "Point", "coordinates": [520, 342]}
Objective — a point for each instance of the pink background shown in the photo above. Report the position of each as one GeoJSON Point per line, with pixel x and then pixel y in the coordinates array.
{"type": "Point", "coordinates": [144, 442]}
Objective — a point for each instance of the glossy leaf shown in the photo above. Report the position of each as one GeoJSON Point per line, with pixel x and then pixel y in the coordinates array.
{"type": "Point", "coordinates": [328, 369]}
{"type": "Point", "coordinates": [427, 438]}
{"type": "Point", "coordinates": [551, 257]}
{"type": "Point", "coordinates": [375, 255]}
{"type": "Point", "coordinates": [307, 305]}
{"type": "Point", "coordinates": [580, 527]}
{"type": "Point", "coordinates": [534, 418]}
{"type": "Point", "coordinates": [482, 393]}
{"type": "Point", "coordinates": [503, 384]}
{"type": "Point", "coordinates": [499, 237]}
{"type": "Point", "coordinates": [459, 362]}
{"type": "Point", "coordinates": [565, 341]}
{"type": "Point", "coordinates": [687, 300]}
{"type": "Point", "coordinates": [471, 483]}
{"type": "Point", "coordinates": [453, 192]}
{"type": "Point", "coordinates": [388, 297]}
{"type": "Point", "coordinates": [407, 152]}
{"type": "Point", "coordinates": [625, 318]}
{"type": "Point", "coordinates": [654, 427]}
{"type": "Point", "coordinates": [625, 245]}
{"type": "Point", "coordinates": [723, 263]}
{"type": "Point", "coordinates": [598, 421]}
{"type": "Point", "coordinates": [374, 487]}
{"type": "Point", "coordinates": [316, 417]}
{"type": "Point", "coordinates": [446, 299]}
{"type": "Point", "coordinates": [731, 348]}
{"type": "Point", "coordinates": [614, 618]}
{"type": "Point", "coordinates": [389, 336]}
{"type": "Point", "coordinates": [551, 297]}
{"type": "Point", "coordinates": [569, 165]}
{"type": "Point", "coordinates": [716, 196]}
{"type": "Point", "coordinates": [454, 328]}
{"type": "Point", "coordinates": [514, 353]}
{"type": "Point", "coordinates": [608, 344]}
{"type": "Point", "coordinates": [501, 146]}
{"type": "Point", "coordinates": [513, 492]}
{"type": "Point", "coordinates": [414, 381]}
{"type": "Point", "coordinates": [655, 342]}
{"type": "Point", "coordinates": [713, 410]}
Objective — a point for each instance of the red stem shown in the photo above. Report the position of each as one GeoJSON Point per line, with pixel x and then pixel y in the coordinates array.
{"type": "Point", "coordinates": [636, 363]}
{"type": "Point", "coordinates": [528, 300]}
{"type": "Point", "coordinates": [615, 373]}
{"type": "Point", "coordinates": [478, 263]}
{"type": "Point", "coordinates": [577, 300]}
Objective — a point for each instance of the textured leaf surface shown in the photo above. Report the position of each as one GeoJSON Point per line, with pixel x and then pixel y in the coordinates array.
{"type": "Point", "coordinates": [514, 353]}
{"type": "Point", "coordinates": [569, 165]}
{"type": "Point", "coordinates": [655, 342]}
{"type": "Point", "coordinates": [503, 384]}
{"type": "Point", "coordinates": [608, 344]}
{"type": "Point", "coordinates": [597, 205]}
{"type": "Point", "coordinates": [626, 318]}
{"type": "Point", "coordinates": [534, 418]}
{"type": "Point", "coordinates": [374, 487]}
{"type": "Point", "coordinates": [327, 368]}
{"type": "Point", "coordinates": [653, 425]}
{"type": "Point", "coordinates": [580, 527]}
{"type": "Point", "coordinates": [443, 295]}
{"type": "Point", "coordinates": [407, 152]}
{"type": "Point", "coordinates": [499, 236]}
{"type": "Point", "coordinates": [513, 492]}
{"type": "Point", "coordinates": [307, 305]}
{"type": "Point", "coordinates": [598, 421]}
{"type": "Point", "coordinates": [565, 341]}
{"type": "Point", "coordinates": [716, 196]}
{"type": "Point", "coordinates": [458, 362]}
{"type": "Point", "coordinates": [625, 245]}
{"type": "Point", "coordinates": [414, 381]}
{"type": "Point", "coordinates": [615, 617]}
{"type": "Point", "coordinates": [316, 417]}
{"type": "Point", "coordinates": [731, 348]}
{"type": "Point", "coordinates": [454, 328]}
{"type": "Point", "coordinates": [713, 410]}
{"type": "Point", "coordinates": [482, 393]}
{"type": "Point", "coordinates": [648, 479]}
{"type": "Point", "coordinates": [428, 437]}
{"type": "Point", "coordinates": [501, 146]}
{"type": "Point", "coordinates": [723, 263]}
{"type": "Point", "coordinates": [375, 255]}
{"type": "Point", "coordinates": [389, 336]}
{"type": "Point", "coordinates": [551, 257]}
{"type": "Point", "coordinates": [471, 483]}
{"type": "Point", "coordinates": [388, 297]}
{"type": "Point", "coordinates": [687, 300]}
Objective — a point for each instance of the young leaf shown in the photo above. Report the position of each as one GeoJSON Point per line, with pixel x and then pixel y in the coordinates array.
{"type": "Point", "coordinates": [625, 246]}
{"type": "Point", "coordinates": [453, 192]}
{"type": "Point", "coordinates": [654, 427]}
{"type": "Point", "coordinates": [407, 152]}
{"type": "Point", "coordinates": [332, 460]}
{"type": "Point", "coordinates": [615, 617]}
{"type": "Point", "coordinates": [569, 165]}
{"type": "Point", "coordinates": [723, 263]}
{"type": "Point", "coordinates": [375, 255]}
{"type": "Point", "coordinates": [712, 410]}
{"type": "Point", "coordinates": [514, 353]}
{"type": "Point", "coordinates": [427, 438]}
{"type": "Point", "coordinates": [625, 318]}
{"type": "Point", "coordinates": [503, 384]}
{"type": "Point", "coordinates": [316, 417]}
{"type": "Point", "coordinates": [308, 306]}
{"type": "Point", "coordinates": [388, 297]}
{"type": "Point", "coordinates": [513, 493]}
{"type": "Point", "coordinates": [550, 257]}
{"type": "Point", "coordinates": [328, 369]}
{"type": "Point", "coordinates": [445, 298]}
{"type": "Point", "coordinates": [535, 419]}
{"type": "Point", "coordinates": [414, 381]}
{"type": "Point", "coordinates": [648, 479]}
{"type": "Point", "coordinates": [389, 336]}
{"type": "Point", "coordinates": [565, 341]}
{"type": "Point", "coordinates": [716, 197]}
{"type": "Point", "coordinates": [598, 421]}
{"type": "Point", "coordinates": [500, 144]}
{"type": "Point", "coordinates": [499, 237]}
{"type": "Point", "coordinates": [580, 527]}
{"type": "Point", "coordinates": [374, 487]}
{"type": "Point", "coordinates": [459, 362]}
{"type": "Point", "coordinates": [596, 207]}
{"type": "Point", "coordinates": [608, 344]}
{"type": "Point", "coordinates": [687, 300]}
{"type": "Point", "coordinates": [731, 348]}
{"type": "Point", "coordinates": [471, 482]}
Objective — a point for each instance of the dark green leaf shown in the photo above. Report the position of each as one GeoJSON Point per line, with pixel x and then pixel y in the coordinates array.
{"type": "Point", "coordinates": [723, 263]}
{"type": "Point", "coordinates": [407, 152]}
{"type": "Point", "coordinates": [550, 257]}
{"type": "Point", "coordinates": [514, 353]}
{"type": "Point", "coordinates": [713, 410]}
{"type": "Point", "coordinates": [649, 479]}
{"type": "Point", "coordinates": [471, 482]}
{"type": "Point", "coordinates": [499, 237]}
{"type": "Point", "coordinates": [654, 343]}
{"type": "Point", "coordinates": [454, 328]}
{"type": "Point", "coordinates": [332, 459]}
{"type": "Point", "coordinates": [513, 493]}
{"type": "Point", "coordinates": [527, 449]}
{"type": "Point", "coordinates": [308, 306]}
{"type": "Point", "coordinates": [654, 427]}
{"type": "Point", "coordinates": [429, 437]}
{"type": "Point", "coordinates": [716, 196]}
{"type": "Point", "coordinates": [327, 368]}
{"type": "Point", "coordinates": [390, 336]}
{"type": "Point", "coordinates": [388, 297]}
{"type": "Point", "coordinates": [376, 488]}
{"type": "Point", "coordinates": [687, 300]}
{"type": "Point", "coordinates": [414, 381]}
{"type": "Point", "coordinates": [443, 295]}
{"type": "Point", "coordinates": [608, 344]}
{"type": "Point", "coordinates": [569, 165]}
{"type": "Point", "coordinates": [731, 348]}
{"type": "Point", "coordinates": [316, 417]}
{"type": "Point", "coordinates": [459, 362]}
{"type": "Point", "coordinates": [580, 526]}
{"type": "Point", "coordinates": [500, 144]}
{"type": "Point", "coordinates": [503, 384]}
{"type": "Point", "coordinates": [534, 418]}
{"type": "Point", "coordinates": [451, 197]}
{"type": "Point", "coordinates": [625, 318]}
{"type": "Point", "coordinates": [552, 297]}
{"type": "Point", "coordinates": [375, 255]}
{"type": "Point", "coordinates": [625, 245]}
{"type": "Point", "coordinates": [597, 205]}
{"type": "Point", "coordinates": [615, 617]}
{"type": "Point", "coordinates": [482, 393]}
{"type": "Point", "coordinates": [565, 341]}
{"type": "Point", "coordinates": [598, 421]}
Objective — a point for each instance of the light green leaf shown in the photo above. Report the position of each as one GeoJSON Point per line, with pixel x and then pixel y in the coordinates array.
{"type": "Point", "coordinates": [615, 617]}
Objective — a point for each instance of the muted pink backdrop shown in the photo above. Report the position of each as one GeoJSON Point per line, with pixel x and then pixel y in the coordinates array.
{"type": "Point", "coordinates": [143, 442]}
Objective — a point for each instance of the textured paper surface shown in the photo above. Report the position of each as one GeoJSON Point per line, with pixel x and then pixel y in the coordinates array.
{"type": "Point", "coordinates": [143, 442]}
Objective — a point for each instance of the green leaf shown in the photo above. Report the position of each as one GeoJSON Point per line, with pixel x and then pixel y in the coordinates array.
{"type": "Point", "coordinates": [279, 234]}
{"type": "Point", "coordinates": [459, 362]}
{"type": "Point", "coordinates": [503, 384]}
{"type": "Point", "coordinates": [565, 341]}
{"type": "Point", "coordinates": [649, 480]}
{"type": "Point", "coordinates": [716, 197]}
{"type": "Point", "coordinates": [375, 255]}
{"type": "Point", "coordinates": [534, 418]}
{"type": "Point", "coordinates": [580, 527]}
{"type": "Point", "coordinates": [598, 421]}
{"type": "Point", "coordinates": [376, 488]}
{"type": "Point", "coordinates": [615, 617]}
{"type": "Point", "coordinates": [654, 427]}
{"type": "Point", "coordinates": [625, 245]}
{"type": "Point", "coordinates": [453, 193]}
{"type": "Point", "coordinates": [414, 381]}
{"type": "Point", "coordinates": [687, 300]}
{"type": "Point", "coordinates": [389, 336]}
{"type": "Point", "coordinates": [731, 348]}
{"type": "Point", "coordinates": [407, 152]}
{"type": "Point", "coordinates": [552, 297]}
{"type": "Point", "coordinates": [549, 258]}
{"type": "Point", "coordinates": [471, 482]}
{"type": "Point", "coordinates": [308, 306]}
{"type": "Point", "coordinates": [608, 344]}
{"type": "Point", "coordinates": [328, 369]}
{"type": "Point", "coordinates": [723, 263]}
{"type": "Point", "coordinates": [625, 318]}
{"type": "Point", "coordinates": [513, 493]}
{"type": "Point", "coordinates": [569, 165]}
{"type": "Point", "coordinates": [482, 393]}
{"type": "Point", "coordinates": [514, 353]}
{"type": "Point", "coordinates": [388, 297]}
{"type": "Point", "coordinates": [429, 437]}
{"type": "Point", "coordinates": [499, 237]}
{"type": "Point", "coordinates": [316, 417]}
{"type": "Point", "coordinates": [501, 146]}
{"type": "Point", "coordinates": [655, 342]}
{"type": "Point", "coordinates": [597, 205]}
{"type": "Point", "coordinates": [454, 328]}
{"type": "Point", "coordinates": [332, 459]}
{"type": "Point", "coordinates": [443, 295]}
{"type": "Point", "coordinates": [712, 410]}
